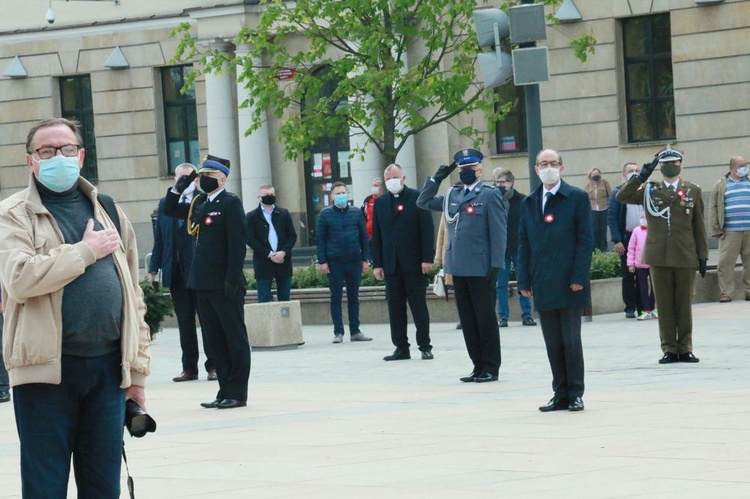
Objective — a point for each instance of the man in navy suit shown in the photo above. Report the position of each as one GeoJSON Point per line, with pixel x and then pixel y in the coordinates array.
{"type": "Point", "coordinates": [271, 235]}
{"type": "Point", "coordinates": [173, 254]}
{"type": "Point", "coordinates": [402, 253]}
{"type": "Point", "coordinates": [555, 242]}
{"type": "Point", "coordinates": [476, 220]}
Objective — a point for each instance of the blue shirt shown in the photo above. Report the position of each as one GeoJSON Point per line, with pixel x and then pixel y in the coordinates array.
{"type": "Point", "coordinates": [737, 205]}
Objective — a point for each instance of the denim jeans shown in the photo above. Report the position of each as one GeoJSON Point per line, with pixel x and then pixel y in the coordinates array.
{"type": "Point", "coordinates": [502, 292]}
{"type": "Point", "coordinates": [283, 289]}
{"type": "Point", "coordinates": [82, 416]}
{"type": "Point", "coordinates": [349, 274]}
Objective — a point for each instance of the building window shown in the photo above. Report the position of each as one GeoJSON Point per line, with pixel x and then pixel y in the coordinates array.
{"type": "Point", "coordinates": [649, 89]}
{"type": "Point", "coordinates": [76, 104]}
{"type": "Point", "coordinates": [328, 158]}
{"type": "Point", "coordinates": [180, 118]}
{"type": "Point", "coordinates": [510, 132]}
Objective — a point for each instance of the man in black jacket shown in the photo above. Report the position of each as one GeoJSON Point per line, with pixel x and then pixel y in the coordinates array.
{"type": "Point", "coordinates": [402, 253]}
{"type": "Point", "coordinates": [622, 219]}
{"type": "Point", "coordinates": [505, 180]}
{"type": "Point", "coordinates": [217, 219]}
{"type": "Point", "coordinates": [271, 235]}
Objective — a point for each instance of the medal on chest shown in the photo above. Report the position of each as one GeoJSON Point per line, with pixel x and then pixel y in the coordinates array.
{"type": "Point", "coordinates": [549, 218]}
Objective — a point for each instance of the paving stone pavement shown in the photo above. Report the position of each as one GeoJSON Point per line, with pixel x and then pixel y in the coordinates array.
{"type": "Point", "coordinates": [335, 421]}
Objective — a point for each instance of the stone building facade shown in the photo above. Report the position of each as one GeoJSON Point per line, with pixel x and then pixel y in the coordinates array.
{"type": "Point", "coordinates": [675, 71]}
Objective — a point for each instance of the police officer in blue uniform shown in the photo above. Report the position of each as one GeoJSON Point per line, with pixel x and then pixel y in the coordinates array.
{"type": "Point", "coordinates": [476, 221]}
{"type": "Point", "coordinates": [217, 220]}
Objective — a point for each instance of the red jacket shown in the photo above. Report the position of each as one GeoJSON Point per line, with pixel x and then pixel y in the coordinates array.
{"type": "Point", "coordinates": [367, 206]}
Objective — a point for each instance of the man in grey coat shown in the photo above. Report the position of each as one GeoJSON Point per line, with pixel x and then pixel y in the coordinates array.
{"type": "Point", "coordinates": [477, 221]}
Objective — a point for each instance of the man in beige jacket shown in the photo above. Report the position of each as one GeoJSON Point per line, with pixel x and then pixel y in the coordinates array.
{"type": "Point", "coordinates": [75, 342]}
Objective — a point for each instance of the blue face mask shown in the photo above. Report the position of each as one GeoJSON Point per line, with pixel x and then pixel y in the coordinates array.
{"type": "Point", "coordinates": [58, 173]}
{"type": "Point", "coordinates": [467, 177]}
{"type": "Point", "coordinates": [341, 200]}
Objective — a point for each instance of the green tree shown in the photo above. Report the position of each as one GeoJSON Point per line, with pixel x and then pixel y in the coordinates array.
{"type": "Point", "coordinates": [371, 90]}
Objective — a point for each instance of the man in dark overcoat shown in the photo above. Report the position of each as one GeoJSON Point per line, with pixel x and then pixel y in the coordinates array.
{"type": "Point", "coordinates": [555, 243]}
{"type": "Point", "coordinates": [402, 253]}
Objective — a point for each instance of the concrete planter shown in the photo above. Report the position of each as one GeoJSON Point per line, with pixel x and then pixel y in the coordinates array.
{"type": "Point", "coordinates": [606, 298]}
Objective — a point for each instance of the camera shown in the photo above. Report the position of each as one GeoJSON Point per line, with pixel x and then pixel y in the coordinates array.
{"type": "Point", "coordinates": [50, 16]}
{"type": "Point", "coordinates": [137, 421]}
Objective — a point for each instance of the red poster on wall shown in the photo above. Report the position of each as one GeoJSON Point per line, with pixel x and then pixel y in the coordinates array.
{"type": "Point", "coordinates": [327, 173]}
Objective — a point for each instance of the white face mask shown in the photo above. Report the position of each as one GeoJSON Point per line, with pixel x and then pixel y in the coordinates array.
{"type": "Point", "coordinates": [742, 171]}
{"type": "Point", "coordinates": [549, 175]}
{"type": "Point", "coordinates": [393, 185]}
{"type": "Point", "coordinates": [375, 190]}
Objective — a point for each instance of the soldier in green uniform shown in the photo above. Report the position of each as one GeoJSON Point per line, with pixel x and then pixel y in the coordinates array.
{"type": "Point", "coordinates": [676, 244]}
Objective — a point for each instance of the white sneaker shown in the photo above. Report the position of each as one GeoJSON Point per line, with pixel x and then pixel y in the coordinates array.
{"type": "Point", "coordinates": [644, 316]}
{"type": "Point", "coordinates": [655, 314]}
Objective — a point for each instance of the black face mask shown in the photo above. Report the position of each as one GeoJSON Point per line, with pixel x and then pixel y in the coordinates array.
{"type": "Point", "coordinates": [208, 184]}
{"type": "Point", "coordinates": [268, 199]}
{"type": "Point", "coordinates": [596, 178]}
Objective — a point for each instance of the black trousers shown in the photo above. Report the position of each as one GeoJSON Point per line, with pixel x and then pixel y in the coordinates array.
{"type": "Point", "coordinates": [561, 329]}
{"type": "Point", "coordinates": [630, 287]}
{"type": "Point", "coordinates": [185, 307]}
{"type": "Point", "coordinates": [411, 287]}
{"type": "Point", "coordinates": [224, 322]}
{"type": "Point", "coordinates": [475, 299]}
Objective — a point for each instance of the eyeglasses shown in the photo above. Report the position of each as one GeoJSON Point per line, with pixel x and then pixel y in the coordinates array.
{"type": "Point", "coordinates": [553, 164]}
{"type": "Point", "coordinates": [68, 150]}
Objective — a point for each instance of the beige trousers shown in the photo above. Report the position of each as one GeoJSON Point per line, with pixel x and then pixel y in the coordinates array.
{"type": "Point", "coordinates": [732, 245]}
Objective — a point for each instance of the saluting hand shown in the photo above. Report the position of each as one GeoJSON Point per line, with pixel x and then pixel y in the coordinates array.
{"type": "Point", "coordinates": [102, 242]}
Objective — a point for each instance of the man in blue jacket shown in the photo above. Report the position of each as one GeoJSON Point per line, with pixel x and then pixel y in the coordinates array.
{"type": "Point", "coordinates": [555, 242]}
{"type": "Point", "coordinates": [343, 253]}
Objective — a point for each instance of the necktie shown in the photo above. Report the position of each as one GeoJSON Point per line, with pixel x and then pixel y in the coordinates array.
{"type": "Point", "coordinates": [547, 196]}
{"type": "Point", "coordinates": [181, 222]}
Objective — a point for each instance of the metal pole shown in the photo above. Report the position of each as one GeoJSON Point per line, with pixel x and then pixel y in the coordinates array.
{"type": "Point", "coordinates": [533, 123]}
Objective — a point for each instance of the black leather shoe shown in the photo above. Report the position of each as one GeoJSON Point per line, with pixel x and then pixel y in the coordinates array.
{"type": "Point", "coordinates": [231, 404]}
{"type": "Point", "coordinates": [630, 314]}
{"type": "Point", "coordinates": [470, 378]}
{"type": "Point", "coordinates": [398, 354]}
{"type": "Point", "coordinates": [528, 321]}
{"type": "Point", "coordinates": [427, 355]}
{"type": "Point", "coordinates": [576, 405]}
{"type": "Point", "coordinates": [669, 358]}
{"type": "Point", "coordinates": [4, 397]}
{"type": "Point", "coordinates": [689, 357]}
{"type": "Point", "coordinates": [211, 405]}
{"type": "Point", "coordinates": [459, 326]}
{"type": "Point", "coordinates": [485, 378]}
{"type": "Point", "coordinates": [502, 322]}
{"type": "Point", "coordinates": [185, 376]}
{"type": "Point", "coordinates": [555, 404]}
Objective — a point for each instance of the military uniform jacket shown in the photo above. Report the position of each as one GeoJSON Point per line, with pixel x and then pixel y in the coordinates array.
{"type": "Point", "coordinates": [680, 240]}
{"type": "Point", "coordinates": [554, 248]}
{"type": "Point", "coordinates": [478, 230]}
{"type": "Point", "coordinates": [403, 236]}
{"type": "Point", "coordinates": [220, 244]}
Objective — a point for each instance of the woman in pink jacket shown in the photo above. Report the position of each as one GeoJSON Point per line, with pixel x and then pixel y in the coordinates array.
{"type": "Point", "coordinates": [636, 265]}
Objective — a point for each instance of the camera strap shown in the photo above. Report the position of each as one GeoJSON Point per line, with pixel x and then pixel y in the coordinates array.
{"type": "Point", "coordinates": [131, 487]}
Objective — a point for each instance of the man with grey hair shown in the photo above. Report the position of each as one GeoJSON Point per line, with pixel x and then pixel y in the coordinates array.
{"type": "Point", "coordinates": [402, 253]}
{"type": "Point", "coordinates": [505, 181]}
{"type": "Point", "coordinates": [729, 218]}
{"type": "Point", "coordinates": [173, 253]}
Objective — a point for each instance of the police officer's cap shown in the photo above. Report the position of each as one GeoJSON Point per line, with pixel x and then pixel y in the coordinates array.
{"type": "Point", "coordinates": [215, 163]}
{"type": "Point", "coordinates": [668, 155]}
{"type": "Point", "coordinates": [468, 157]}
